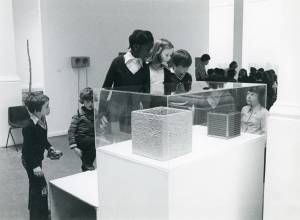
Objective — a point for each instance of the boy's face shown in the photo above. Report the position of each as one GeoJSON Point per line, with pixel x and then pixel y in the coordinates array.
{"type": "Point", "coordinates": [142, 51]}
{"type": "Point", "coordinates": [45, 109]}
{"type": "Point", "coordinates": [180, 69]}
{"type": "Point", "coordinates": [88, 104]}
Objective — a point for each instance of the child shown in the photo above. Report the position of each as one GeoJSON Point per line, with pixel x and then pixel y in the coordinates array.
{"type": "Point", "coordinates": [128, 72]}
{"type": "Point", "coordinates": [159, 64]}
{"type": "Point", "coordinates": [178, 79]}
{"type": "Point", "coordinates": [254, 115]}
{"type": "Point", "coordinates": [35, 143]}
{"type": "Point", "coordinates": [81, 132]}
{"type": "Point", "coordinates": [243, 76]}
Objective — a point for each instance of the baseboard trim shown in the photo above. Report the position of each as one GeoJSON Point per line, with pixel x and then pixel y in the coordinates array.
{"type": "Point", "coordinates": [57, 133]}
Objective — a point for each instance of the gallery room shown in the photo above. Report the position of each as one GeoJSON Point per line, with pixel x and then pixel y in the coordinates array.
{"type": "Point", "coordinates": [149, 109]}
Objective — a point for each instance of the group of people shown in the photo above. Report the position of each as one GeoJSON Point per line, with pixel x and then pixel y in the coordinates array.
{"type": "Point", "coordinates": [231, 74]}
{"type": "Point", "coordinates": [146, 66]}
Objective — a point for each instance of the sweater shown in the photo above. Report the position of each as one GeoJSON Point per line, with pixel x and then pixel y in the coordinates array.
{"type": "Point", "coordinates": [34, 144]}
{"type": "Point", "coordinates": [120, 77]}
{"type": "Point", "coordinates": [175, 84]}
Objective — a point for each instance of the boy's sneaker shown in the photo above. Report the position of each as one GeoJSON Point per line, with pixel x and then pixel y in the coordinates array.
{"type": "Point", "coordinates": [90, 168]}
{"type": "Point", "coordinates": [54, 154]}
{"type": "Point", "coordinates": [87, 168]}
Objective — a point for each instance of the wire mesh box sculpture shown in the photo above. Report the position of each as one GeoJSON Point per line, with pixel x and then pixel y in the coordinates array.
{"type": "Point", "coordinates": [161, 133]}
{"type": "Point", "coordinates": [224, 125]}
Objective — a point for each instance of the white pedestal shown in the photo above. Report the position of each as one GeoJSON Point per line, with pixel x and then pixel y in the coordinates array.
{"type": "Point", "coordinates": [282, 187]}
{"type": "Point", "coordinates": [220, 179]}
{"type": "Point", "coordinates": [74, 197]}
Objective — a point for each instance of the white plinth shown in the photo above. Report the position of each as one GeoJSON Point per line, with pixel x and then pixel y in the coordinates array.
{"type": "Point", "coordinates": [74, 197]}
{"type": "Point", "coordinates": [220, 179]}
{"type": "Point", "coordinates": [282, 186]}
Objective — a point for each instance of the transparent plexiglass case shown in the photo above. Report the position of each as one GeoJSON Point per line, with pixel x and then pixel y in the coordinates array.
{"type": "Point", "coordinates": [166, 115]}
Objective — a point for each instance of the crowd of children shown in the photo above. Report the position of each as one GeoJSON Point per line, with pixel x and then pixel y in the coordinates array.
{"type": "Point", "coordinates": [145, 65]}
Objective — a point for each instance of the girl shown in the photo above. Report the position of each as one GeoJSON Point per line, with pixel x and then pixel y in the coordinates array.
{"type": "Point", "coordinates": [254, 115]}
{"type": "Point", "coordinates": [160, 56]}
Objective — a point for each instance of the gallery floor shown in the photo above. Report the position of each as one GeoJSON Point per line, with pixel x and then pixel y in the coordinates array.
{"type": "Point", "coordinates": [14, 181]}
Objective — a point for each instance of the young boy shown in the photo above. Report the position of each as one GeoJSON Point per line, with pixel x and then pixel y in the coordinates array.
{"type": "Point", "coordinates": [35, 143]}
{"type": "Point", "coordinates": [128, 72]}
{"type": "Point", "coordinates": [81, 132]}
{"type": "Point", "coordinates": [179, 80]}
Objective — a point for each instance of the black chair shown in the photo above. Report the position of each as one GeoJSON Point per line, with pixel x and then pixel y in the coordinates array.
{"type": "Point", "coordinates": [18, 117]}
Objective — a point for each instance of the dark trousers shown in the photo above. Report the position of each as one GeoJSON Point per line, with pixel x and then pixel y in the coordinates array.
{"type": "Point", "coordinates": [88, 156]}
{"type": "Point", "coordinates": [38, 195]}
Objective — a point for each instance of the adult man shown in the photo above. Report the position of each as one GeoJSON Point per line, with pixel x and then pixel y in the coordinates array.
{"type": "Point", "coordinates": [200, 73]}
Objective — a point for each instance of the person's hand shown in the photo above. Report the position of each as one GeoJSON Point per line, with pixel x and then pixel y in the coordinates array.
{"type": "Point", "coordinates": [38, 171]}
{"type": "Point", "coordinates": [103, 122]}
{"type": "Point", "coordinates": [78, 152]}
{"type": "Point", "coordinates": [72, 146]}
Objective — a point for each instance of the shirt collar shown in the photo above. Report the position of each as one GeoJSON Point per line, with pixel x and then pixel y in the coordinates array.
{"type": "Point", "coordinates": [129, 57]}
{"type": "Point", "coordinates": [34, 118]}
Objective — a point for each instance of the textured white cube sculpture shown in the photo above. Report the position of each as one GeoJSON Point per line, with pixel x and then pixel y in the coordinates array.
{"type": "Point", "coordinates": [161, 133]}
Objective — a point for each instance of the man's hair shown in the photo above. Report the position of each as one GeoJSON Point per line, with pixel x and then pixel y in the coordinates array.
{"type": "Point", "coordinates": [261, 70]}
{"type": "Point", "coordinates": [210, 71]}
{"type": "Point", "coordinates": [34, 103]}
{"type": "Point", "coordinates": [232, 64]}
{"type": "Point", "coordinates": [205, 57]}
{"type": "Point", "coordinates": [231, 74]}
{"type": "Point", "coordinates": [86, 95]}
{"type": "Point", "coordinates": [181, 58]}
{"type": "Point", "coordinates": [140, 37]}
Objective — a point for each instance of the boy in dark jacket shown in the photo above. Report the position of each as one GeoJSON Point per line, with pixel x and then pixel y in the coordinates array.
{"type": "Point", "coordinates": [178, 80]}
{"type": "Point", "coordinates": [81, 132]}
{"type": "Point", "coordinates": [34, 145]}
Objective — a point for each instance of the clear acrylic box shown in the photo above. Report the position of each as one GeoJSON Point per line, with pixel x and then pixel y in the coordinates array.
{"type": "Point", "coordinates": [114, 109]}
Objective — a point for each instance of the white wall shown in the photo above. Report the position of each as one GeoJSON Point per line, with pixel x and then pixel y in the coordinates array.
{"type": "Point", "coordinates": [261, 34]}
{"type": "Point", "coordinates": [10, 86]}
{"type": "Point", "coordinates": [27, 25]}
{"type": "Point", "coordinates": [238, 31]}
{"type": "Point", "coordinates": [221, 27]}
{"type": "Point", "coordinates": [7, 51]}
{"type": "Point", "coordinates": [100, 29]}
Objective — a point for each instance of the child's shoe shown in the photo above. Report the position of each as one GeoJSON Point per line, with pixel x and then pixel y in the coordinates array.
{"type": "Point", "coordinates": [90, 168]}
{"type": "Point", "coordinates": [54, 154]}
{"type": "Point", "coordinates": [87, 168]}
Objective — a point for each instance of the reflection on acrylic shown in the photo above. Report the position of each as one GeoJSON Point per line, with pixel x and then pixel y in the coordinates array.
{"type": "Point", "coordinates": [113, 108]}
